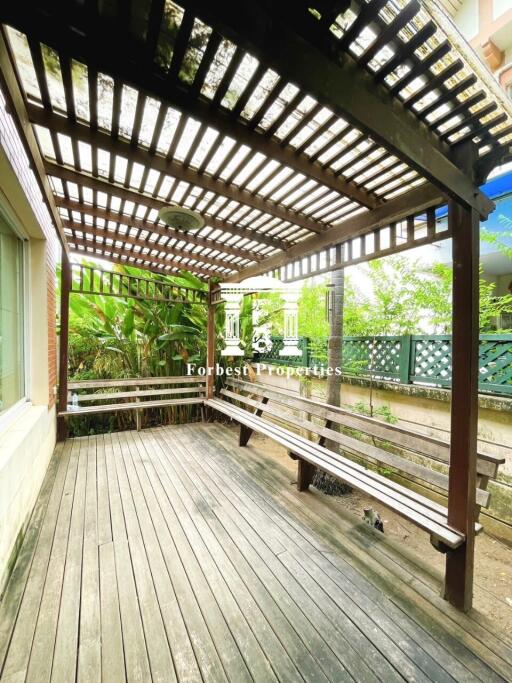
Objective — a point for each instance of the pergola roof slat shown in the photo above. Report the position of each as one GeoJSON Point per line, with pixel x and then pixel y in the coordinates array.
{"type": "Point", "coordinates": [103, 140]}
{"type": "Point", "coordinates": [157, 246]}
{"type": "Point", "coordinates": [127, 258]}
{"type": "Point", "coordinates": [422, 198]}
{"type": "Point", "coordinates": [103, 249]}
{"type": "Point", "coordinates": [101, 185]}
{"type": "Point", "coordinates": [143, 225]}
{"type": "Point", "coordinates": [275, 121]}
{"type": "Point", "coordinates": [13, 93]}
{"type": "Point", "coordinates": [300, 52]}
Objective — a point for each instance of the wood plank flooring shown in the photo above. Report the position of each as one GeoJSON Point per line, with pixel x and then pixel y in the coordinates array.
{"type": "Point", "coordinates": [172, 554]}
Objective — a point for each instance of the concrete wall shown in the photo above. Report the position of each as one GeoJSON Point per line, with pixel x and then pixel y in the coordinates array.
{"type": "Point", "coordinates": [427, 411]}
{"type": "Point", "coordinates": [466, 19]}
{"type": "Point", "coordinates": [27, 431]}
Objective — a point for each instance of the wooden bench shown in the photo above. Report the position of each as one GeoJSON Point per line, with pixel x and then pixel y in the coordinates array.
{"type": "Point", "coordinates": [250, 404]}
{"type": "Point", "coordinates": [105, 396]}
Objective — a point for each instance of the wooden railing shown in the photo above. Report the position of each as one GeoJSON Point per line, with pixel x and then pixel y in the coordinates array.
{"type": "Point", "coordinates": [92, 280]}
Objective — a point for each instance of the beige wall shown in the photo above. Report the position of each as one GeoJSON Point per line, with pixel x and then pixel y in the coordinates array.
{"type": "Point", "coordinates": [487, 25]}
{"type": "Point", "coordinates": [27, 434]}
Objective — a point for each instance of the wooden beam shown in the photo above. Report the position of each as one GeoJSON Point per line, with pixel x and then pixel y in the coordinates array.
{"type": "Point", "coordinates": [17, 105]}
{"type": "Point", "coordinates": [98, 51]}
{"type": "Point", "coordinates": [147, 258]}
{"type": "Point", "coordinates": [102, 140]}
{"type": "Point", "coordinates": [464, 224]}
{"type": "Point", "coordinates": [414, 201]}
{"type": "Point", "coordinates": [303, 52]}
{"type": "Point", "coordinates": [112, 189]}
{"type": "Point", "coordinates": [156, 228]}
{"type": "Point", "coordinates": [65, 288]}
{"type": "Point", "coordinates": [151, 268]}
{"type": "Point", "coordinates": [143, 243]}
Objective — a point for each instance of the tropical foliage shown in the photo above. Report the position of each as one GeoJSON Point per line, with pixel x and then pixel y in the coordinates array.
{"type": "Point", "coordinates": [112, 338]}
{"type": "Point", "coordinates": [396, 296]}
{"type": "Point", "coordinates": [117, 337]}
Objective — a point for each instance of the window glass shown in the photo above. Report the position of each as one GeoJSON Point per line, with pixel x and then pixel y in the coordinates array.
{"type": "Point", "coordinates": [11, 317]}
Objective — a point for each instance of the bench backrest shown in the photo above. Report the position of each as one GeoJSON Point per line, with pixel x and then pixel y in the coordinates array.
{"type": "Point", "coordinates": [134, 390]}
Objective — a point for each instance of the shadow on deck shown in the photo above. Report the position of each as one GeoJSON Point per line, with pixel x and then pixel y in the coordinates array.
{"type": "Point", "coordinates": [171, 554]}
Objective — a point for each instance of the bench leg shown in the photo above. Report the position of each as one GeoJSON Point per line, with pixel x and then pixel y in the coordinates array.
{"type": "Point", "coordinates": [305, 474]}
{"type": "Point", "coordinates": [245, 435]}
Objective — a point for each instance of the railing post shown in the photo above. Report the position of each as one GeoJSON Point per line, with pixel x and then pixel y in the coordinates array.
{"type": "Point", "coordinates": [138, 413]}
{"type": "Point", "coordinates": [65, 288]}
{"type": "Point", "coordinates": [404, 362]}
{"type": "Point", "coordinates": [464, 226]}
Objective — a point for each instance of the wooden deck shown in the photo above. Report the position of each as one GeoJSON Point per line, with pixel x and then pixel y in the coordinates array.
{"type": "Point", "coordinates": [171, 554]}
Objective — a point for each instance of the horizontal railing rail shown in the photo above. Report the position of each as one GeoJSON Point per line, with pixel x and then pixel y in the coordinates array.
{"type": "Point", "coordinates": [406, 359]}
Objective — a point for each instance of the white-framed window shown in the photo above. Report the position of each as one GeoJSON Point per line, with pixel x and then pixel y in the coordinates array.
{"type": "Point", "coordinates": [13, 317]}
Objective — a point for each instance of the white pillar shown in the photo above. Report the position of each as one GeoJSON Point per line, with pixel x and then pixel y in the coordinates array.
{"type": "Point", "coordinates": [291, 324]}
{"type": "Point", "coordinates": [232, 324]}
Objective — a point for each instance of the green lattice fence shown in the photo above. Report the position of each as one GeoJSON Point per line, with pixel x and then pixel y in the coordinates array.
{"type": "Point", "coordinates": [273, 356]}
{"type": "Point", "coordinates": [496, 363]}
{"type": "Point", "coordinates": [378, 355]}
{"type": "Point", "coordinates": [409, 359]}
{"type": "Point", "coordinates": [431, 360]}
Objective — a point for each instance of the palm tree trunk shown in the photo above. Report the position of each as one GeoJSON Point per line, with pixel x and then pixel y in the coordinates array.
{"type": "Point", "coordinates": [335, 344]}
{"type": "Point", "coordinates": [322, 480]}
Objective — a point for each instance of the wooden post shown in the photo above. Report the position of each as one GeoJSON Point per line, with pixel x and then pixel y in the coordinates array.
{"type": "Point", "coordinates": [65, 288]}
{"type": "Point", "coordinates": [335, 345]}
{"type": "Point", "coordinates": [464, 225]}
{"type": "Point", "coordinates": [210, 345]}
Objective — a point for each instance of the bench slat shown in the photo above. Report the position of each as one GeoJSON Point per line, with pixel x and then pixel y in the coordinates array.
{"type": "Point", "coordinates": [421, 504]}
{"type": "Point", "coordinates": [271, 428]}
{"type": "Point", "coordinates": [134, 381]}
{"type": "Point", "coordinates": [113, 407]}
{"type": "Point", "coordinates": [144, 392]}
{"type": "Point", "coordinates": [428, 446]}
{"type": "Point", "coordinates": [361, 448]}
{"type": "Point", "coordinates": [374, 485]}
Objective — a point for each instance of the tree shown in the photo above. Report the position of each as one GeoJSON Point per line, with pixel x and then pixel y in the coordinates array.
{"type": "Point", "coordinates": [399, 296]}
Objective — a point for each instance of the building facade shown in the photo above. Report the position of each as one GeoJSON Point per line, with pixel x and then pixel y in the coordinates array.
{"type": "Point", "coordinates": [487, 26]}
{"type": "Point", "coordinates": [29, 252]}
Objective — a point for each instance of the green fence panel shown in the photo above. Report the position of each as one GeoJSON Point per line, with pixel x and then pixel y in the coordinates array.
{"type": "Point", "coordinates": [407, 359]}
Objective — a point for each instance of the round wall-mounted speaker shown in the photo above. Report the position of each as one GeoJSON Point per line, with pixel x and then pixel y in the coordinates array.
{"type": "Point", "coordinates": [181, 218]}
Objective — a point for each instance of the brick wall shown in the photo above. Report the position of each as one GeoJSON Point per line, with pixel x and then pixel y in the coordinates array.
{"type": "Point", "coordinates": [52, 332]}
{"type": "Point", "coordinates": [13, 147]}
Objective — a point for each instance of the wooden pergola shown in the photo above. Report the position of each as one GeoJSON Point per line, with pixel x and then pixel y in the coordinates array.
{"type": "Point", "coordinates": [310, 136]}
